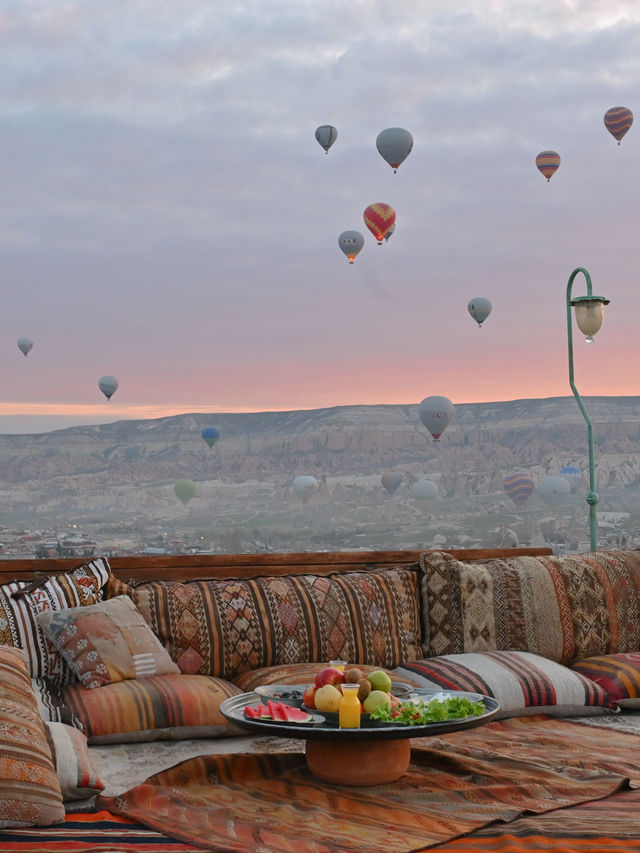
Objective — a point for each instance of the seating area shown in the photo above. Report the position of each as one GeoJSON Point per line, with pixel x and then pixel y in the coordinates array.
{"type": "Point", "coordinates": [114, 671]}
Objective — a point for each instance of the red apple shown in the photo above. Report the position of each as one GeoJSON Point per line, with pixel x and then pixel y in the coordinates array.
{"type": "Point", "coordinates": [329, 675]}
{"type": "Point", "coordinates": [307, 696]}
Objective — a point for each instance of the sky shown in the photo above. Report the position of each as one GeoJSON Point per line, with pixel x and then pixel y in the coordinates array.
{"type": "Point", "coordinates": [168, 217]}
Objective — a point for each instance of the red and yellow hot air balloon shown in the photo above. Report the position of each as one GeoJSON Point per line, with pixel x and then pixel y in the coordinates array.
{"type": "Point", "coordinates": [548, 162]}
{"type": "Point", "coordinates": [379, 219]}
{"type": "Point", "coordinates": [618, 120]}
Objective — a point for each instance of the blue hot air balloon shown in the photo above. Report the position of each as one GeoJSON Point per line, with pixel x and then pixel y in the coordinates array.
{"type": "Point", "coordinates": [573, 476]}
{"type": "Point", "coordinates": [210, 435]}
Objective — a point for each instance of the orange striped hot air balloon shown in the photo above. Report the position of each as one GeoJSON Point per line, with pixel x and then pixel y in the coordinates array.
{"type": "Point", "coordinates": [547, 162]}
{"type": "Point", "coordinates": [618, 120]}
{"type": "Point", "coordinates": [379, 218]}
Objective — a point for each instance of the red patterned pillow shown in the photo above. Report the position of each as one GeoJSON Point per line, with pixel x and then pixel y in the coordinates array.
{"type": "Point", "coordinates": [564, 608]}
{"type": "Point", "coordinates": [226, 627]}
{"type": "Point", "coordinates": [618, 674]}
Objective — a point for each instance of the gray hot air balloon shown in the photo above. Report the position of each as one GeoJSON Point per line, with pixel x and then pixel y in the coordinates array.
{"type": "Point", "coordinates": [394, 145]}
{"type": "Point", "coordinates": [424, 491]}
{"type": "Point", "coordinates": [326, 135]}
{"type": "Point", "coordinates": [479, 308]}
{"type": "Point", "coordinates": [552, 490]}
{"type": "Point", "coordinates": [108, 385]}
{"type": "Point", "coordinates": [436, 413]}
{"type": "Point", "coordinates": [351, 242]}
{"type": "Point", "coordinates": [24, 345]}
{"type": "Point", "coordinates": [304, 486]}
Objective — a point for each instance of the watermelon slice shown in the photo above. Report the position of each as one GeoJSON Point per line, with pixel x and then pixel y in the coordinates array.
{"type": "Point", "coordinates": [276, 709]}
{"type": "Point", "coordinates": [295, 715]}
{"type": "Point", "coordinates": [250, 712]}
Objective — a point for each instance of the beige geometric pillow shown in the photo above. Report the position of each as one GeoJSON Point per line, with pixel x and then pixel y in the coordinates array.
{"type": "Point", "coordinates": [107, 642]}
{"type": "Point", "coordinates": [77, 775]}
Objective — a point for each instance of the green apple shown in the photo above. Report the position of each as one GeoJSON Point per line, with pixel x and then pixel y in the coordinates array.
{"type": "Point", "coordinates": [376, 699]}
{"type": "Point", "coordinates": [380, 680]}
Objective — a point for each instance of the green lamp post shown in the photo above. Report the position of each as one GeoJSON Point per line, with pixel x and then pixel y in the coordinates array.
{"type": "Point", "coordinates": [589, 317]}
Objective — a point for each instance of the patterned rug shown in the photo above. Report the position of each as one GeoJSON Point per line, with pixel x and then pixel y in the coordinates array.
{"type": "Point", "coordinates": [456, 784]}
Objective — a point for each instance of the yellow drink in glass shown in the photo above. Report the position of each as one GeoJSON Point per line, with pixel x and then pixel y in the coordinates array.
{"type": "Point", "coordinates": [349, 710]}
{"type": "Point", "coordinates": [338, 664]}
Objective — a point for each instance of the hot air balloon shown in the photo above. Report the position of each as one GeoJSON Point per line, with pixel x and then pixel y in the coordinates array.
{"type": "Point", "coordinates": [573, 476]}
{"type": "Point", "coordinates": [210, 435]}
{"type": "Point", "coordinates": [618, 120]}
{"type": "Point", "coordinates": [553, 489]}
{"type": "Point", "coordinates": [326, 135]}
{"type": "Point", "coordinates": [548, 162]}
{"type": "Point", "coordinates": [479, 308]}
{"type": "Point", "coordinates": [185, 490]}
{"type": "Point", "coordinates": [108, 385]}
{"type": "Point", "coordinates": [424, 491]}
{"type": "Point", "coordinates": [351, 242]}
{"type": "Point", "coordinates": [394, 145]}
{"type": "Point", "coordinates": [379, 218]}
{"type": "Point", "coordinates": [304, 486]}
{"type": "Point", "coordinates": [391, 483]}
{"type": "Point", "coordinates": [436, 413]}
{"type": "Point", "coordinates": [390, 232]}
{"type": "Point", "coordinates": [25, 345]}
{"type": "Point", "coordinates": [519, 488]}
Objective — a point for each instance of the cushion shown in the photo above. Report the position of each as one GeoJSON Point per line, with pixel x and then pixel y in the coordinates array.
{"type": "Point", "coordinates": [225, 627]}
{"type": "Point", "coordinates": [564, 608]}
{"type": "Point", "coordinates": [50, 701]}
{"type": "Point", "coordinates": [522, 682]}
{"type": "Point", "coordinates": [76, 773]}
{"type": "Point", "coordinates": [618, 674]}
{"type": "Point", "coordinates": [107, 642]}
{"type": "Point", "coordinates": [163, 707]}
{"type": "Point", "coordinates": [297, 673]}
{"type": "Point", "coordinates": [30, 793]}
{"type": "Point", "coordinates": [21, 601]}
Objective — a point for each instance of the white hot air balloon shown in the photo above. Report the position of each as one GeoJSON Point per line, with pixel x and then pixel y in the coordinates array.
{"type": "Point", "coordinates": [326, 135]}
{"type": "Point", "coordinates": [479, 308]}
{"type": "Point", "coordinates": [351, 242]}
{"type": "Point", "coordinates": [552, 490]}
{"type": "Point", "coordinates": [424, 491]}
{"type": "Point", "coordinates": [436, 413]}
{"type": "Point", "coordinates": [108, 385]}
{"type": "Point", "coordinates": [394, 145]}
{"type": "Point", "coordinates": [25, 345]}
{"type": "Point", "coordinates": [304, 486]}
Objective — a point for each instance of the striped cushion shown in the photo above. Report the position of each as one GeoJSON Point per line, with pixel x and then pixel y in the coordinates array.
{"type": "Point", "coordinates": [564, 608]}
{"type": "Point", "coordinates": [169, 707]}
{"type": "Point", "coordinates": [296, 673]}
{"type": "Point", "coordinates": [21, 601]}
{"type": "Point", "coordinates": [523, 683]}
{"type": "Point", "coordinates": [618, 674]}
{"type": "Point", "coordinates": [107, 642]}
{"type": "Point", "coordinates": [77, 775]}
{"type": "Point", "coordinates": [226, 627]}
{"type": "Point", "coordinates": [30, 793]}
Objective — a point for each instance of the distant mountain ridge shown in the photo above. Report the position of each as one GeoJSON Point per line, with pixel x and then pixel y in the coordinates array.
{"type": "Point", "coordinates": [536, 434]}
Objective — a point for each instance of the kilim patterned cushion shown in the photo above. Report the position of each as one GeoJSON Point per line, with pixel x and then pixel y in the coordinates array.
{"type": "Point", "coordinates": [225, 627]}
{"type": "Point", "coordinates": [21, 601]}
{"type": "Point", "coordinates": [523, 683]}
{"type": "Point", "coordinates": [297, 673]}
{"type": "Point", "coordinates": [77, 775]}
{"type": "Point", "coordinates": [169, 707]}
{"type": "Point", "coordinates": [30, 792]}
{"type": "Point", "coordinates": [107, 642]}
{"type": "Point", "coordinates": [563, 608]}
{"type": "Point", "coordinates": [618, 674]}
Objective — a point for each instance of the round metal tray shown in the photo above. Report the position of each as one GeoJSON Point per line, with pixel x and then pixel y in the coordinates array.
{"type": "Point", "coordinates": [322, 729]}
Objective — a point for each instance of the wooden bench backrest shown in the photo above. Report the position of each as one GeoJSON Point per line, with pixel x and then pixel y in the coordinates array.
{"type": "Point", "coordinates": [193, 566]}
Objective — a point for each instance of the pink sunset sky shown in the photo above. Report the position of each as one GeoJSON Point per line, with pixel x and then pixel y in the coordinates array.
{"type": "Point", "coordinates": [169, 218]}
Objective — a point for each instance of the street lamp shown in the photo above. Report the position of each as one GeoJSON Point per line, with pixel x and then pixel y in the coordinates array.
{"type": "Point", "coordinates": [589, 317]}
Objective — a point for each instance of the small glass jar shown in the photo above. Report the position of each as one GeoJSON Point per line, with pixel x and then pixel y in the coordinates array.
{"type": "Point", "coordinates": [349, 710]}
{"type": "Point", "coordinates": [338, 664]}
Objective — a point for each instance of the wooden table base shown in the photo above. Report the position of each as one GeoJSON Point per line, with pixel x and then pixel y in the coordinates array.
{"type": "Point", "coordinates": [351, 762]}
